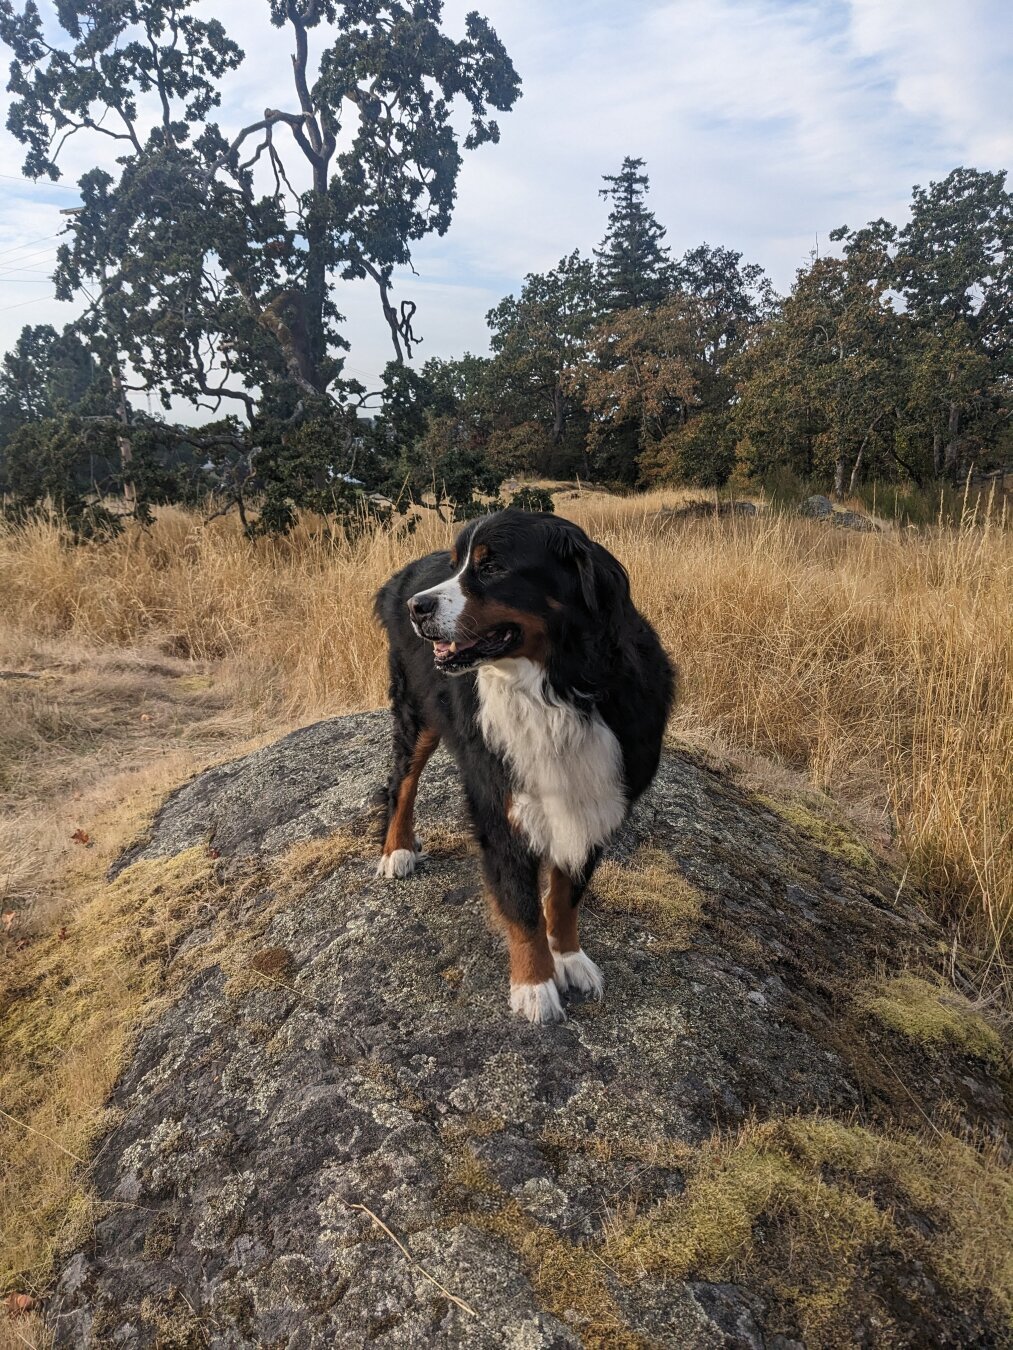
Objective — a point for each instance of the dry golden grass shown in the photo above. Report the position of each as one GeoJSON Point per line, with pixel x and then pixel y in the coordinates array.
{"type": "Point", "coordinates": [88, 747]}
{"type": "Point", "coordinates": [877, 666]}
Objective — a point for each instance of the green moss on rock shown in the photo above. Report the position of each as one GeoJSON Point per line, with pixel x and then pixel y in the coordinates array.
{"type": "Point", "coordinates": [932, 1014]}
{"type": "Point", "coordinates": [829, 833]}
{"type": "Point", "coordinates": [805, 1209]}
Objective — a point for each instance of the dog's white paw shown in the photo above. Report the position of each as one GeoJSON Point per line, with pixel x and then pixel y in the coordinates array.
{"type": "Point", "coordinates": [537, 1002]}
{"type": "Point", "coordinates": [576, 970]}
{"type": "Point", "coordinates": [399, 864]}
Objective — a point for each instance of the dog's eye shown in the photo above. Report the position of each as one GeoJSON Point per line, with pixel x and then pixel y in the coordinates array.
{"type": "Point", "coordinates": [489, 568]}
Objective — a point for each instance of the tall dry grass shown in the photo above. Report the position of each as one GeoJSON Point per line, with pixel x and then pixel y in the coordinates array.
{"type": "Point", "coordinates": [879, 665]}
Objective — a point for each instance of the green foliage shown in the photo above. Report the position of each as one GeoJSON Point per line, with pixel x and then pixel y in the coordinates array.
{"type": "Point", "coordinates": [533, 499]}
{"type": "Point", "coordinates": [527, 447]}
{"type": "Point", "coordinates": [636, 381]}
{"type": "Point", "coordinates": [891, 363]}
{"type": "Point", "coordinates": [54, 464]}
{"type": "Point", "coordinates": [72, 465]}
{"type": "Point", "coordinates": [952, 265]}
{"type": "Point", "coordinates": [208, 284]}
{"type": "Point", "coordinates": [447, 466]}
{"type": "Point", "coordinates": [293, 469]}
{"type": "Point", "coordinates": [633, 264]}
{"type": "Point", "coordinates": [536, 337]}
{"type": "Point", "coordinates": [47, 373]}
{"type": "Point", "coordinates": [700, 452]}
{"type": "Point", "coordinates": [817, 383]}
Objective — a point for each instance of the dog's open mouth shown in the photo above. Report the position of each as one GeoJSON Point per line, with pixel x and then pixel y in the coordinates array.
{"type": "Point", "coordinates": [490, 646]}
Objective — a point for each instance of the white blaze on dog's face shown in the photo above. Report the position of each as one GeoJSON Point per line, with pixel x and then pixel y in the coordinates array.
{"type": "Point", "coordinates": [498, 601]}
{"type": "Point", "coordinates": [450, 599]}
{"type": "Point", "coordinates": [517, 582]}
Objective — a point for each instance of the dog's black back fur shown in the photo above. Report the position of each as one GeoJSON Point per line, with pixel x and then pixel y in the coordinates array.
{"type": "Point", "coordinates": [604, 655]}
{"type": "Point", "coordinates": [601, 657]}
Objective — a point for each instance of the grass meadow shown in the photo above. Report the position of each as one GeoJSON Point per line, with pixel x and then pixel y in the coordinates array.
{"type": "Point", "coordinates": [870, 673]}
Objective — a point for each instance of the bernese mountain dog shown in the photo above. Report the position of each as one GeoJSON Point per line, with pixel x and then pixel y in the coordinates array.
{"type": "Point", "coordinates": [555, 718]}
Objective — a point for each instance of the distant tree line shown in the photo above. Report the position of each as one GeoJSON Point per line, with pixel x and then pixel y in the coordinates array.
{"type": "Point", "coordinates": [209, 268]}
{"type": "Point", "coordinates": [893, 361]}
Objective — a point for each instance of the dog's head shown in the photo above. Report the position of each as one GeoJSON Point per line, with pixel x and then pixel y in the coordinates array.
{"type": "Point", "coordinates": [523, 585]}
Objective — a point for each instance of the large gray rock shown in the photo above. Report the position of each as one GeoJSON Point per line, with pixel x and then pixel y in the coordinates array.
{"type": "Point", "coordinates": [852, 520]}
{"type": "Point", "coordinates": [704, 510]}
{"type": "Point", "coordinates": [822, 508]}
{"type": "Point", "coordinates": [346, 1042]}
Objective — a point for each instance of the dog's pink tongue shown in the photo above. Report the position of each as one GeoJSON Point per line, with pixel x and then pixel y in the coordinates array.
{"type": "Point", "coordinates": [443, 649]}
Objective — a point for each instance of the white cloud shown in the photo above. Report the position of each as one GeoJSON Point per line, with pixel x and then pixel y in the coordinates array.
{"type": "Point", "coordinates": [764, 124]}
{"type": "Point", "coordinates": [950, 65]}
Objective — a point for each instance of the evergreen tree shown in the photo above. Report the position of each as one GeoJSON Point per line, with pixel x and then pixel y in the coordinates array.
{"type": "Point", "coordinates": [633, 264]}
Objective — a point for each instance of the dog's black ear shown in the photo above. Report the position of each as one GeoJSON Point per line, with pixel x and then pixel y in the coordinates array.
{"type": "Point", "coordinates": [604, 583]}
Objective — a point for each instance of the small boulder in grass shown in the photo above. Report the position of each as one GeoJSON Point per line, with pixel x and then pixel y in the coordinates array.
{"type": "Point", "coordinates": [852, 520]}
{"type": "Point", "coordinates": [817, 506]}
{"type": "Point", "coordinates": [821, 508]}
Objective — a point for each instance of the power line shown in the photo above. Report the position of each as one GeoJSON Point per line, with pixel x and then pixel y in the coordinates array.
{"type": "Point", "coordinates": [35, 300]}
{"type": "Point", "coordinates": [32, 182]}
{"type": "Point", "coordinates": [16, 264]}
{"type": "Point", "coordinates": [18, 247]}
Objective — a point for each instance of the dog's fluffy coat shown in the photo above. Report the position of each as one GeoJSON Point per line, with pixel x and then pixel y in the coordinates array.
{"type": "Point", "coordinates": [555, 719]}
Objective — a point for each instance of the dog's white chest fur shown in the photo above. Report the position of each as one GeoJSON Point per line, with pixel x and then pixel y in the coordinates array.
{"type": "Point", "coordinates": [567, 769]}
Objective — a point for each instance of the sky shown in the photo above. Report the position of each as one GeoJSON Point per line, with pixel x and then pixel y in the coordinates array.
{"type": "Point", "coordinates": [764, 124]}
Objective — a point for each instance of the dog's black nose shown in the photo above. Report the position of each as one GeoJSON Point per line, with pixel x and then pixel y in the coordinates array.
{"type": "Point", "coordinates": [421, 605]}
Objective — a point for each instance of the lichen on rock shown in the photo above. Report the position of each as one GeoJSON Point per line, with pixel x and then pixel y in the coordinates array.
{"type": "Point", "coordinates": [332, 1133]}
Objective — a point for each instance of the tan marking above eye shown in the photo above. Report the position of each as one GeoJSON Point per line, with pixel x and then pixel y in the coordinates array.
{"type": "Point", "coordinates": [479, 552]}
{"type": "Point", "coordinates": [453, 558]}
{"type": "Point", "coordinates": [554, 604]}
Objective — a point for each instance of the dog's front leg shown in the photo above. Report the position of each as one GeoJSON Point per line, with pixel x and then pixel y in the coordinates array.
{"type": "Point", "coordinates": [511, 873]}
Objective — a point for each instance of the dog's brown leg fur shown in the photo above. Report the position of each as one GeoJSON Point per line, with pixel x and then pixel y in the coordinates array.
{"type": "Point", "coordinates": [530, 958]}
{"type": "Point", "coordinates": [561, 913]}
{"type": "Point", "coordinates": [401, 829]}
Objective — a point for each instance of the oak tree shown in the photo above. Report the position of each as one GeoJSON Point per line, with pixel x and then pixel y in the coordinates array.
{"type": "Point", "coordinates": [211, 257]}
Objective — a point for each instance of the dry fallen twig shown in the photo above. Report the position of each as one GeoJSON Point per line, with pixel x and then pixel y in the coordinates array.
{"type": "Point", "coordinates": [400, 1245]}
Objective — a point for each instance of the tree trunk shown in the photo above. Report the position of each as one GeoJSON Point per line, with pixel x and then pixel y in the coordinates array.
{"type": "Point", "coordinates": [316, 139]}
{"type": "Point", "coordinates": [316, 278]}
{"type": "Point", "coordinates": [558, 414]}
{"type": "Point", "coordinates": [123, 442]}
{"type": "Point", "coordinates": [839, 478]}
{"type": "Point", "coordinates": [856, 471]}
{"type": "Point", "coordinates": [950, 455]}
{"type": "Point", "coordinates": [241, 504]}
{"type": "Point", "coordinates": [937, 454]}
